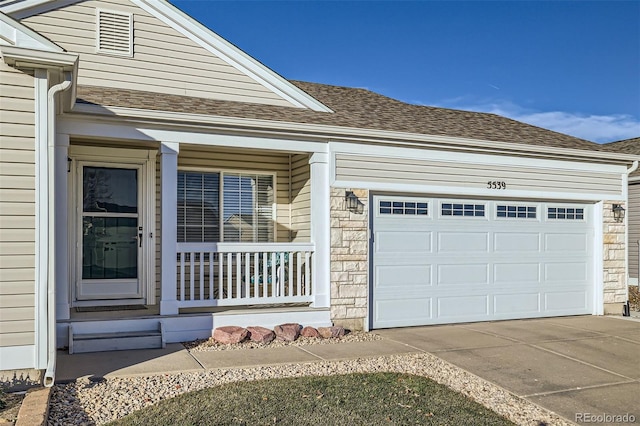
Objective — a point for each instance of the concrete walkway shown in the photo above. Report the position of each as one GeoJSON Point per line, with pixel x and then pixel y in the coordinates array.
{"type": "Point", "coordinates": [568, 365]}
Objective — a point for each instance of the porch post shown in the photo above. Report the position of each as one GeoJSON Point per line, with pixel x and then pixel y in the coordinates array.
{"type": "Point", "coordinates": [61, 206]}
{"type": "Point", "coordinates": [169, 202]}
{"type": "Point", "coordinates": [320, 228]}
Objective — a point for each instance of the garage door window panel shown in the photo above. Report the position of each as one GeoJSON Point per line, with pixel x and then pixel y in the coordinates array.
{"type": "Point", "coordinates": [462, 210]}
{"type": "Point", "coordinates": [565, 213]}
{"type": "Point", "coordinates": [408, 208]}
{"type": "Point", "coordinates": [516, 212]}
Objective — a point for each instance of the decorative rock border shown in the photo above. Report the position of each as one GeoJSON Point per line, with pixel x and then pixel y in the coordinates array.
{"type": "Point", "coordinates": [289, 332]}
{"type": "Point", "coordinates": [205, 345]}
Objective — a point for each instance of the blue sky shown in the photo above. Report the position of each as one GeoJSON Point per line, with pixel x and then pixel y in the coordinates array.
{"type": "Point", "coordinates": [570, 66]}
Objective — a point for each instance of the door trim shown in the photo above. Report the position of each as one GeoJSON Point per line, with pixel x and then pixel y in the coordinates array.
{"type": "Point", "coordinates": [138, 281]}
{"type": "Point", "coordinates": [145, 159]}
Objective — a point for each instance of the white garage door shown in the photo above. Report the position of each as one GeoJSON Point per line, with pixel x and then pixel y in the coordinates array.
{"type": "Point", "coordinates": [439, 260]}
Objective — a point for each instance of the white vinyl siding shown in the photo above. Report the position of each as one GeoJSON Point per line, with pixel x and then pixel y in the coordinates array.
{"type": "Point", "coordinates": [373, 169]}
{"type": "Point", "coordinates": [164, 61]}
{"type": "Point", "coordinates": [633, 212]}
{"type": "Point", "coordinates": [17, 208]}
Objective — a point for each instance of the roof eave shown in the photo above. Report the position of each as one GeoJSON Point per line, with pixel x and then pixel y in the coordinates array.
{"type": "Point", "coordinates": [22, 8]}
{"type": "Point", "coordinates": [20, 57]}
{"type": "Point", "coordinates": [349, 134]}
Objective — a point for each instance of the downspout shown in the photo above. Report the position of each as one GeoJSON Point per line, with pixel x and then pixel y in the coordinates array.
{"type": "Point", "coordinates": [49, 374]}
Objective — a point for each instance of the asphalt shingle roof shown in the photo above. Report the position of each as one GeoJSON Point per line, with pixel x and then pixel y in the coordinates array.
{"type": "Point", "coordinates": [626, 146]}
{"type": "Point", "coordinates": [355, 108]}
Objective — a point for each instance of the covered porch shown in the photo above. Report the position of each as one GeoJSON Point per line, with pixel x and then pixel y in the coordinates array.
{"type": "Point", "coordinates": [221, 235]}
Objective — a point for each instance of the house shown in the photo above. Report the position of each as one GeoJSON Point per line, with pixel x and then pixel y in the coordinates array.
{"type": "Point", "coordinates": [632, 146]}
{"type": "Point", "coordinates": [156, 182]}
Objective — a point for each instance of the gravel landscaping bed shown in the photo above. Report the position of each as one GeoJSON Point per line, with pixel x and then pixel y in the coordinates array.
{"type": "Point", "coordinates": [99, 402]}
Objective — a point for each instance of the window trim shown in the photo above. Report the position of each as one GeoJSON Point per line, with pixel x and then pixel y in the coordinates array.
{"type": "Point", "coordinates": [274, 206]}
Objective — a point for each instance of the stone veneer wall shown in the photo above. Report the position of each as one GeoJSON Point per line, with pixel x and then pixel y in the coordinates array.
{"type": "Point", "coordinates": [615, 274]}
{"type": "Point", "coordinates": [349, 263]}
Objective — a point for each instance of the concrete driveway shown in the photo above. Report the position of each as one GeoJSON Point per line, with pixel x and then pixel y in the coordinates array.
{"type": "Point", "coordinates": [583, 368]}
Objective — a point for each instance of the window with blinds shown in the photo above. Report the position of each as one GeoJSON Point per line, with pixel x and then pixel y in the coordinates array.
{"type": "Point", "coordinates": [114, 32]}
{"type": "Point", "coordinates": [232, 207]}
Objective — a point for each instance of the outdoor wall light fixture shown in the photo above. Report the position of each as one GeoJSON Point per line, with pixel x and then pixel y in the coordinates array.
{"type": "Point", "coordinates": [352, 202]}
{"type": "Point", "coordinates": [618, 212]}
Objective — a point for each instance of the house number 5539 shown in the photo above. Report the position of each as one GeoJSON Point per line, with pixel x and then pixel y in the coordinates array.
{"type": "Point", "coordinates": [496, 184]}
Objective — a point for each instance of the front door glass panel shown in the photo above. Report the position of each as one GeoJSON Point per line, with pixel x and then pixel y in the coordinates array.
{"type": "Point", "coordinates": [109, 247]}
{"type": "Point", "coordinates": [110, 227]}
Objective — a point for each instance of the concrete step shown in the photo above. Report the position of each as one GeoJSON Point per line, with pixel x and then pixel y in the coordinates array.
{"type": "Point", "coordinates": [116, 341]}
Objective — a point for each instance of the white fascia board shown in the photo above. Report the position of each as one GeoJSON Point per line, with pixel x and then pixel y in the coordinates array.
{"type": "Point", "coordinates": [461, 191]}
{"type": "Point", "coordinates": [19, 9]}
{"type": "Point", "coordinates": [86, 126]}
{"type": "Point", "coordinates": [18, 35]}
{"type": "Point", "coordinates": [235, 141]}
{"type": "Point", "coordinates": [359, 135]}
{"type": "Point", "coordinates": [31, 58]}
{"type": "Point", "coordinates": [13, 6]}
{"type": "Point", "coordinates": [226, 51]}
{"type": "Point", "coordinates": [461, 158]}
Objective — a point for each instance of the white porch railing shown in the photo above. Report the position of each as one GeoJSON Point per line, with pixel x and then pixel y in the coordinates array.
{"type": "Point", "coordinates": [233, 274]}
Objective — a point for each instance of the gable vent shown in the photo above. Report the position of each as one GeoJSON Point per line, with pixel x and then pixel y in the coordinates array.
{"type": "Point", "coordinates": [114, 33]}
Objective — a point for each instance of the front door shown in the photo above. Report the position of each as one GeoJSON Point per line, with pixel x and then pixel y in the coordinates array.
{"type": "Point", "coordinates": [110, 232]}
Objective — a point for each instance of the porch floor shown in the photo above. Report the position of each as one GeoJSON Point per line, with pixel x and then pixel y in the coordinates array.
{"type": "Point", "coordinates": [153, 311]}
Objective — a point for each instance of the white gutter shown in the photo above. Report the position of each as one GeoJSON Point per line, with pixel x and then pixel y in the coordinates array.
{"type": "Point", "coordinates": [633, 168]}
{"type": "Point", "coordinates": [49, 375]}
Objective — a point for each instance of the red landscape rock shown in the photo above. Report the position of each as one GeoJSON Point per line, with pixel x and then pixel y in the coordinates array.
{"type": "Point", "coordinates": [230, 334]}
{"type": "Point", "coordinates": [261, 334]}
{"type": "Point", "coordinates": [287, 332]}
{"type": "Point", "coordinates": [331, 332]}
{"type": "Point", "coordinates": [309, 332]}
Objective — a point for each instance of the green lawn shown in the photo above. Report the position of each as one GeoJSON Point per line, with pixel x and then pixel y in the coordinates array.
{"type": "Point", "coordinates": [354, 399]}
